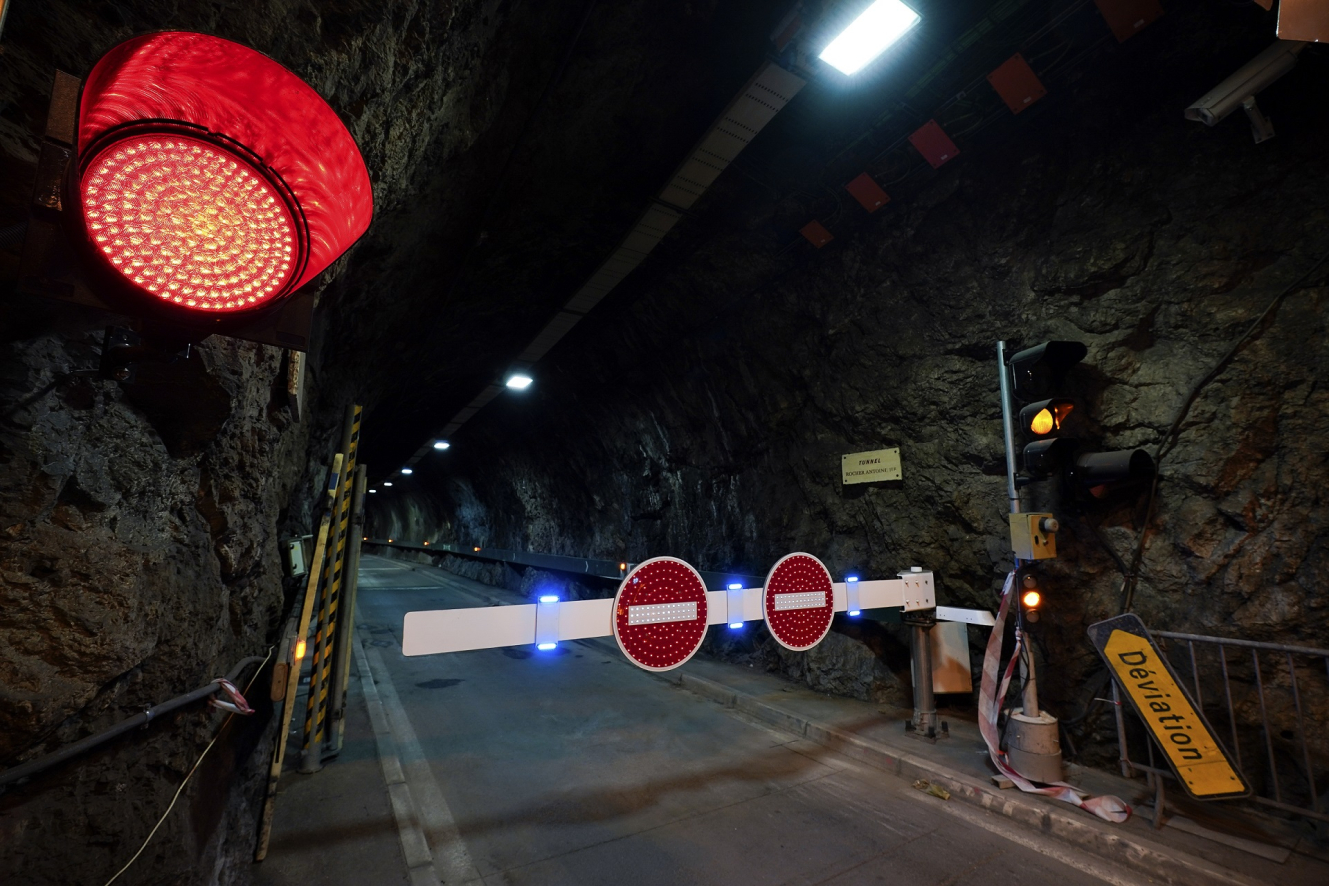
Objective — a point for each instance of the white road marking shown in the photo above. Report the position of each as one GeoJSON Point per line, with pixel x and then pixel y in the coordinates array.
{"type": "Point", "coordinates": [452, 861]}
{"type": "Point", "coordinates": [414, 847]}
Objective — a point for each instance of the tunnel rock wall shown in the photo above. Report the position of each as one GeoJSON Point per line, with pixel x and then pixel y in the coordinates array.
{"type": "Point", "coordinates": [139, 540]}
{"type": "Point", "coordinates": [703, 412]}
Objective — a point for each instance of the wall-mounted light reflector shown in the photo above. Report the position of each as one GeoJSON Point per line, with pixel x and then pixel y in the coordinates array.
{"type": "Point", "coordinates": [868, 36]}
{"type": "Point", "coordinates": [440, 445]}
{"type": "Point", "coordinates": [407, 472]}
{"type": "Point", "coordinates": [519, 382]}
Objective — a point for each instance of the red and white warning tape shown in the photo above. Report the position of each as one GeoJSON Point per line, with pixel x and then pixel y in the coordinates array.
{"type": "Point", "coordinates": [237, 703]}
{"type": "Point", "coordinates": [990, 696]}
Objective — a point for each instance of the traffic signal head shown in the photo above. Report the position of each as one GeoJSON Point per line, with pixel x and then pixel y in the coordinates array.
{"type": "Point", "coordinates": [1045, 417]}
{"type": "Point", "coordinates": [1097, 472]}
{"type": "Point", "coordinates": [209, 182]}
{"type": "Point", "coordinates": [1036, 372]}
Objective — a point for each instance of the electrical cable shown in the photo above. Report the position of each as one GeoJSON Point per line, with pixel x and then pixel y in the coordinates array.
{"type": "Point", "coordinates": [1131, 579]}
{"type": "Point", "coordinates": [178, 791]}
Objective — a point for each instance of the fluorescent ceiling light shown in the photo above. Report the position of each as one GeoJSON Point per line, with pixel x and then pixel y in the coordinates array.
{"type": "Point", "coordinates": [519, 382]}
{"type": "Point", "coordinates": [387, 483]}
{"type": "Point", "coordinates": [407, 471]}
{"type": "Point", "coordinates": [867, 37]}
{"type": "Point", "coordinates": [441, 444]}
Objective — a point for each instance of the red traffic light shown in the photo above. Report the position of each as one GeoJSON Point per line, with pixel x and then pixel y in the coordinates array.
{"type": "Point", "coordinates": [210, 179]}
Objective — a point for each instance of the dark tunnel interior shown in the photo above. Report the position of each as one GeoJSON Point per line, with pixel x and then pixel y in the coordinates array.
{"type": "Point", "coordinates": [708, 342]}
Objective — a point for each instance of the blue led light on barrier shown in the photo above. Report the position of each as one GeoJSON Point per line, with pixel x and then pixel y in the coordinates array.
{"type": "Point", "coordinates": [736, 625]}
{"type": "Point", "coordinates": [551, 598]}
{"type": "Point", "coordinates": [545, 647]}
{"type": "Point", "coordinates": [851, 596]}
{"type": "Point", "coordinates": [736, 587]}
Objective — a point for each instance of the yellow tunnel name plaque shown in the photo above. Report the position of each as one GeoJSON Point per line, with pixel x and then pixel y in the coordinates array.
{"type": "Point", "coordinates": [1201, 763]}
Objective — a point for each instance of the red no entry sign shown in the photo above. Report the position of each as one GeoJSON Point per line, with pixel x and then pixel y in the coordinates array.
{"type": "Point", "coordinates": [660, 614]}
{"type": "Point", "coordinates": [798, 602]}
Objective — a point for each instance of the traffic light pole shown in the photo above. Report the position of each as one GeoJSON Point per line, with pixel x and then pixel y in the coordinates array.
{"type": "Point", "coordinates": [1032, 737]}
{"type": "Point", "coordinates": [1027, 671]}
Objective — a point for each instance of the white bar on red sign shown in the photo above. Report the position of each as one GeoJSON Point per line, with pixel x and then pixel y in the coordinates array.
{"type": "Point", "coordinates": [814, 600]}
{"type": "Point", "coordinates": [659, 613]}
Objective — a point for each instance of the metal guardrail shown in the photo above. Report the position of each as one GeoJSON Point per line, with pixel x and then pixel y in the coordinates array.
{"type": "Point", "coordinates": [1230, 690]}
{"type": "Point", "coordinates": [608, 569]}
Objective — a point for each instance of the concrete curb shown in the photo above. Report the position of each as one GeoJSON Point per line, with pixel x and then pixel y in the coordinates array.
{"type": "Point", "coordinates": [1161, 863]}
{"type": "Point", "coordinates": [414, 847]}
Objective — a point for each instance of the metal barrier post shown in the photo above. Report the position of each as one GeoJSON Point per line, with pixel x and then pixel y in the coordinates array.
{"type": "Point", "coordinates": [924, 724]}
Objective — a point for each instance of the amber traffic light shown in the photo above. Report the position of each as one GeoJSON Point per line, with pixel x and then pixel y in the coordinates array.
{"type": "Point", "coordinates": [1038, 375]}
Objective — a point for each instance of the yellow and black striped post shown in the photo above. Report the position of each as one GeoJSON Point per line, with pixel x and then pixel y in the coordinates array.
{"type": "Point", "coordinates": [320, 676]}
{"type": "Point", "coordinates": [341, 658]}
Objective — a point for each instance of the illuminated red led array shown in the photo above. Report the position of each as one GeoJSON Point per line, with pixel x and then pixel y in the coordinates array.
{"type": "Point", "coordinates": [799, 629]}
{"type": "Point", "coordinates": [189, 222]}
{"type": "Point", "coordinates": [661, 646]}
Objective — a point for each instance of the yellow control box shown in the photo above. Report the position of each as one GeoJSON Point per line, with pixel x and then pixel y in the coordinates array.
{"type": "Point", "coordinates": [1034, 536]}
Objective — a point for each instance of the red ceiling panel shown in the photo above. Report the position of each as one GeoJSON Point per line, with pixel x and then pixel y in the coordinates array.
{"type": "Point", "coordinates": [1303, 20]}
{"type": "Point", "coordinates": [1127, 17]}
{"type": "Point", "coordinates": [817, 235]}
{"type": "Point", "coordinates": [1017, 84]}
{"type": "Point", "coordinates": [934, 144]}
{"type": "Point", "coordinates": [866, 191]}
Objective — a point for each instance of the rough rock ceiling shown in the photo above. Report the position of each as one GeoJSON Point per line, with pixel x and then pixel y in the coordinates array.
{"type": "Point", "coordinates": [497, 232]}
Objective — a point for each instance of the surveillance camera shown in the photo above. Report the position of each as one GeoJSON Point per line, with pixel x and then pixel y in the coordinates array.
{"type": "Point", "coordinates": [1238, 91]}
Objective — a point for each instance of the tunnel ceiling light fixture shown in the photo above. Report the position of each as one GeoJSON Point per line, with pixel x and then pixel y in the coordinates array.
{"type": "Point", "coordinates": [204, 198]}
{"type": "Point", "coordinates": [387, 482]}
{"type": "Point", "coordinates": [519, 382]}
{"type": "Point", "coordinates": [440, 445]}
{"type": "Point", "coordinates": [869, 35]}
{"type": "Point", "coordinates": [406, 472]}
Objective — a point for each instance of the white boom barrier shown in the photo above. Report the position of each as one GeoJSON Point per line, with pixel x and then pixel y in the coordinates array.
{"type": "Point", "coordinates": [460, 630]}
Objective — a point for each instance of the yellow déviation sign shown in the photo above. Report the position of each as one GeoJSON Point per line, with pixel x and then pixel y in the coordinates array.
{"type": "Point", "coordinates": [1201, 763]}
{"type": "Point", "coordinates": [870, 467]}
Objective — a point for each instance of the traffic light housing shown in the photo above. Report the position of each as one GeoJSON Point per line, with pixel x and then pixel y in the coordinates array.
{"type": "Point", "coordinates": [194, 185]}
{"type": "Point", "coordinates": [1037, 378]}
